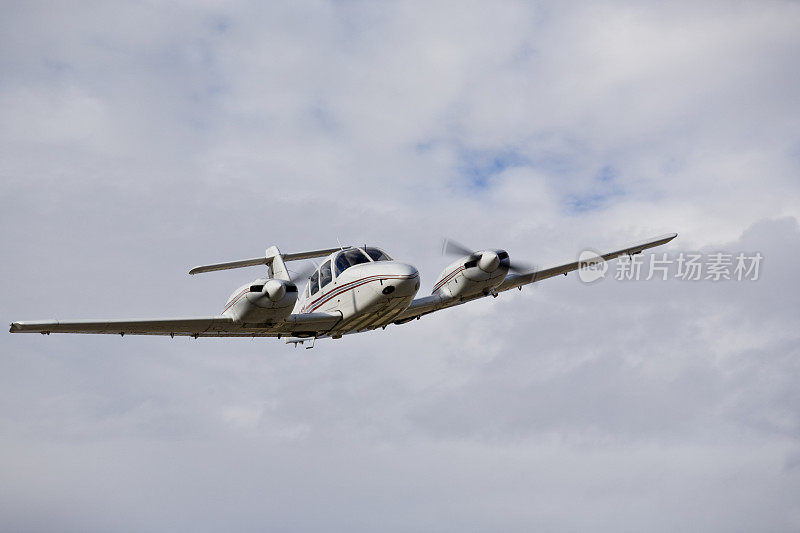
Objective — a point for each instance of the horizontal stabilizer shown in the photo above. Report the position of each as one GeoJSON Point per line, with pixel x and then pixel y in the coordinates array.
{"type": "Point", "coordinates": [266, 260]}
{"type": "Point", "coordinates": [232, 264]}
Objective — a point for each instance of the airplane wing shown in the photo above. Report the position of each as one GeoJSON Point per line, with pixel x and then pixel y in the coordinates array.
{"type": "Point", "coordinates": [429, 304]}
{"type": "Point", "coordinates": [299, 325]}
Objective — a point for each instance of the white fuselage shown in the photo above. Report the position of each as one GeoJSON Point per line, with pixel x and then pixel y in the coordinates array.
{"type": "Point", "coordinates": [365, 295]}
{"type": "Point", "coordinates": [363, 286]}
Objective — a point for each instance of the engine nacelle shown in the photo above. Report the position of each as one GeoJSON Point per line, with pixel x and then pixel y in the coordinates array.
{"type": "Point", "coordinates": [263, 301]}
{"type": "Point", "coordinates": [474, 274]}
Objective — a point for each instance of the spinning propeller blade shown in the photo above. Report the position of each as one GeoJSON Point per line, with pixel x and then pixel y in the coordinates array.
{"type": "Point", "coordinates": [522, 268]}
{"type": "Point", "coordinates": [451, 247]}
{"type": "Point", "coordinates": [303, 273]}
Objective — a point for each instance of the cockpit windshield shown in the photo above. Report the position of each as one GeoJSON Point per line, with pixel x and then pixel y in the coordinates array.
{"type": "Point", "coordinates": [344, 260]}
{"type": "Point", "coordinates": [377, 255]}
{"type": "Point", "coordinates": [348, 258]}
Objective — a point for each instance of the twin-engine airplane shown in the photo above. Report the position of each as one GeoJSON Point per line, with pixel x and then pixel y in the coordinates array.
{"type": "Point", "coordinates": [355, 289]}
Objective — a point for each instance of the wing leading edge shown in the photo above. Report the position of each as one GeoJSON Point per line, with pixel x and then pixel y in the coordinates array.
{"type": "Point", "coordinates": [429, 304]}
{"type": "Point", "coordinates": [309, 324]}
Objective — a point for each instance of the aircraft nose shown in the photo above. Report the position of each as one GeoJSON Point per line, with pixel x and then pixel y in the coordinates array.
{"type": "Point", "coordinates": [401, 280]}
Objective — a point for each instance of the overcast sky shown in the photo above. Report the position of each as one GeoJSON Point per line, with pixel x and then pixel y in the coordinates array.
{"type": "Point", "coordinates": [140, 139]}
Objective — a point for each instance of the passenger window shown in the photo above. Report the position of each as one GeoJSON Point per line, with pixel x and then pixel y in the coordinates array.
{"type": "Point", "coordinates": [325, 275]}
{"type": "Point", "coordinates": [313, 283]}
{"type": "Point", "coordinates": [377, 255]}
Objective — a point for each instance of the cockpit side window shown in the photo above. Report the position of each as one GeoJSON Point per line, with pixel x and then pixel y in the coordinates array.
{"type": "Point", "coordinates": [348, 258]}
{"type": "Point", "coordinates": [325, 275]}
{"type": "Point", "coordinates": [339, 264]}
{"type": "Point", "coordinates": [313, 282]}
{"type": "Point", "coordinates": [377, 255]}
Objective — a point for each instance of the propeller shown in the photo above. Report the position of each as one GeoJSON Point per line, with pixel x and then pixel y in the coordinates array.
{"type": "Point", "coordinates": [487, 260]}
{"type": "Point", "coordinates": [275, 289]}
{"type": "Point", "coordinates": [451, 247]}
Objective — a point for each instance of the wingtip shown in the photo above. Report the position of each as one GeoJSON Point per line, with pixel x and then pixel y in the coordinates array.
{"type": "Point", "coordinates": [665, 238]}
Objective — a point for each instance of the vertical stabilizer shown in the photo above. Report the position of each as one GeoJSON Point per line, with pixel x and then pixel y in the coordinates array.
{"type": "Point", "coordinates": [277, 268]}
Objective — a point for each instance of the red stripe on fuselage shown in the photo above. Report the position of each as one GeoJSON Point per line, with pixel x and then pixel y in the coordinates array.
{"type": "Point", "coordinates": [310, 307]}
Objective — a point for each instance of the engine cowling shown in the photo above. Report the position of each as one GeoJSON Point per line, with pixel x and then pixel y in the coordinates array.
{"type": "Point", "coordinates": [263, 301]}
{"type": "Point", "coordinates": [477, 273]}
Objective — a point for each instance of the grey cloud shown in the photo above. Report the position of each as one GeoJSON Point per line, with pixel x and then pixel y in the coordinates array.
{"type": "Point", "coordinates": [140, 140]}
